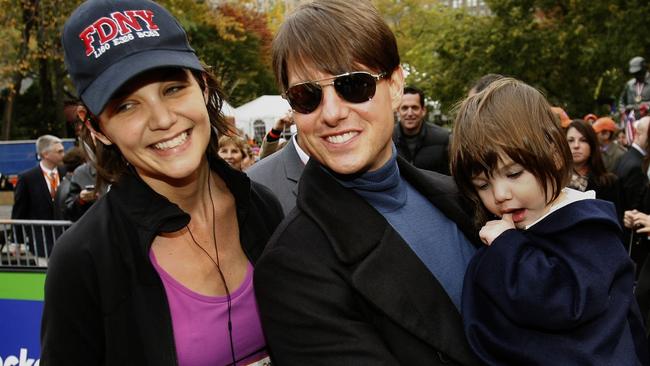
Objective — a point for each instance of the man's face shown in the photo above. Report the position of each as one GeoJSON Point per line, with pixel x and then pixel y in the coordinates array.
{"type": "Point", "coordinates": [603, 137]}
{"type": "Point", "coordinates": [54, 154]}
{"type": "Point", "coordinates": [640, 75]}
{"type": "Point", "coordinates": [344, 136]}
{"type": "Point", "coordinates": [411, 114]}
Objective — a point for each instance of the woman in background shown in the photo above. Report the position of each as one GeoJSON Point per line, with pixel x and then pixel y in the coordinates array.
{"type": "Point", "coordinates": [588, 168]}
{"type": "Point", "coordinates": [233, 150]}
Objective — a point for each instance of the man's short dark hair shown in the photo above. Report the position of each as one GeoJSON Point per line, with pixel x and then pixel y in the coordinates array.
{"type": "Point", "coordinates": [414, 90]}
{"type": "Point", "coordinates": [334, 36]}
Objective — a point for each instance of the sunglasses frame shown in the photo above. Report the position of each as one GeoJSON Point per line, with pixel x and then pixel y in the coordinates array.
{"type": "Point", "coordinates": [319, 83]}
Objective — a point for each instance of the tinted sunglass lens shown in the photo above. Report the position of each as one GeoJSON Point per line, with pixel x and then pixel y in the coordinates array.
{"type": "Point", "coordinates": [356, 88]}
{"type": "Point", "coordinates": [304, 98]}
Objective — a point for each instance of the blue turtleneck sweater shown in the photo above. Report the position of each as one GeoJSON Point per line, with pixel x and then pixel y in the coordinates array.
{"type": "Point", "coordinates": [434, 238]}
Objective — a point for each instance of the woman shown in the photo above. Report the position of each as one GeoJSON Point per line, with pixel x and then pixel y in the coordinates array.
{"type": "Point", "coordinates": [233, 150]}
{"type": "Point", "coordinates": [588, 168]}
{"type": "Point", "coordinates": [159, 270]}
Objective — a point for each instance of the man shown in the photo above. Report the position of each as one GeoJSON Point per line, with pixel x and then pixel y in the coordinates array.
{"type": "Point", "coordinates": [368, 268]}
{"type": "Point", "coordinates": [35, 192]}
{"type": "Point", "coordinates": [82, 193]}
{"type": "Point", "coordinates": [423, 145]}
{"type": "Point", "coordinates": [605, 129]}
{"type": "Point", "coordinates": [634, 181]}
{"type": "Point", "coordinates": [281, 171]}
{"type": "Point", "coordinates": [636, 92]}
{"type": "Point", "coordinates": [629, 170]}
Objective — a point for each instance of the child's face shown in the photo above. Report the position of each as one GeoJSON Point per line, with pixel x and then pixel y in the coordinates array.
{"type": "Point", "coordinates": [512, 189]}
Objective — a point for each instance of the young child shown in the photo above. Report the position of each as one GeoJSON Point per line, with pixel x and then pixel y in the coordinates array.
{"type": "Point", "coordinates": [553, 284]}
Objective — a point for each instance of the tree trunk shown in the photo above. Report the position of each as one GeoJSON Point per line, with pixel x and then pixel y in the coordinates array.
{"type": "Point", "coordinates": [58, 72]}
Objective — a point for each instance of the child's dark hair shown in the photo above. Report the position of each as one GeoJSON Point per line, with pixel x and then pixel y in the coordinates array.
{"type": "Point", "coordinates": [511, 118]}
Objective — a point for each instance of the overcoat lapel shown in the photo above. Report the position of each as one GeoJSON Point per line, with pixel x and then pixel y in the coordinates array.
{"type": "Point", "coordinates": [293, 166]}
{"type": "Point", "coordinates": [383, 268]}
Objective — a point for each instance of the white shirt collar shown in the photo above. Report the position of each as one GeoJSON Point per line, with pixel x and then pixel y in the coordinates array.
{"type": "Point", "coordinates": [45, 169]}
{"type": "Point", "coordinates": [639, 148]}
{"type": "Point", "coordinates": [301, 153]}
{"type": "Point", "coordinates": [568, 196]}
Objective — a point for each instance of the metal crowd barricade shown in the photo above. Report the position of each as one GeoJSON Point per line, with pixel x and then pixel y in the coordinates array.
{"type": "Point", "coordinates": [28, 243]}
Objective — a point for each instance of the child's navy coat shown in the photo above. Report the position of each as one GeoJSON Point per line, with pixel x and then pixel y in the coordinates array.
{"type": "Point", "coordinates": [559, 293]}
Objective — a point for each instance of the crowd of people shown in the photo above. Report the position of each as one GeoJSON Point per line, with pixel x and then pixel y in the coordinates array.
{"type": "Point", "coordinates": [369, 237]}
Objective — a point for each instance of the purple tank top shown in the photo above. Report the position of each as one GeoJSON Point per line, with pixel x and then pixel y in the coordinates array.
{"type": "Point", "coordinates": [200, 323]}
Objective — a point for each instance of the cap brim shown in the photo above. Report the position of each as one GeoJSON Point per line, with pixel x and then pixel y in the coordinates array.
{"type": "Point", "coordinates": [635, 69]}
{"type": "Point", "coordinates": [100, 91]}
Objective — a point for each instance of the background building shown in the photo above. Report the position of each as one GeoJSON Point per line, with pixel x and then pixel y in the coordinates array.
{"type": "Point", "coordinates": [475, 7]}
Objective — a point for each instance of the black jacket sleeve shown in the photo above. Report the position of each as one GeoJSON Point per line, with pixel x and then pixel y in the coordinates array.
{"type": "Point", "coordinates": [71, 328]}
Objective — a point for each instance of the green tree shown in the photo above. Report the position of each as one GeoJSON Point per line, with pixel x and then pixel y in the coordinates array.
{"type": "Point", "coordinates": [232, 38]}
{"type": "Point", "coordinates": [241, 58]}
{"type": "Point", "coordinates": [575, 51]}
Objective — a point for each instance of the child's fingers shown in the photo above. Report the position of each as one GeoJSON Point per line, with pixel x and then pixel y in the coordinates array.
{"type": "Point", "coordinates": [507, 217]}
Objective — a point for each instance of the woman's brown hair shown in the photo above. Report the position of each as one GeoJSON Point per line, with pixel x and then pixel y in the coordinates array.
{"type": "Point", "coordinates": [595, 163]}
{"type": "Point", "coordinates": [512, 118]}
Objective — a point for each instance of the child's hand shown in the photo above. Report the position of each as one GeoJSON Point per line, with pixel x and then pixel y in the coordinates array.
{"type": "Point", "coordinates": [494, 228]}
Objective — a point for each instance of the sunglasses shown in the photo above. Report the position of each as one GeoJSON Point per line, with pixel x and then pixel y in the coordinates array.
{"type": "Point", "coordinates": [354, 87]}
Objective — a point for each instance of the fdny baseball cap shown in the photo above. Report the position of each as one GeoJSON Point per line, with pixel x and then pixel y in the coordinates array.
{"type": "Point", "coordinates": [108, 42]}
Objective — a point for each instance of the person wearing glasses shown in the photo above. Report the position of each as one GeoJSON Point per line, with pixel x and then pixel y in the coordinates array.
{"type": "Point", "coordinates": [159, 270]}
{"type": "Point", "coordinates": [368, 268]}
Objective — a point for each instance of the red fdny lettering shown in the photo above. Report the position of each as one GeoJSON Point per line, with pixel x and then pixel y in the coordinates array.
{"type": "Point", "coordinates": [127, 18]}
{"type": "Point", "coordinates": [106, 29]}
{"type": "Point", "coordinates": [147, 16]}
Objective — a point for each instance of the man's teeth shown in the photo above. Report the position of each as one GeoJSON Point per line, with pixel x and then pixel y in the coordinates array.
{"type": "Point", "coordinates": [339, 139]}
{"type": "Point", "coordinates": [170, 144]}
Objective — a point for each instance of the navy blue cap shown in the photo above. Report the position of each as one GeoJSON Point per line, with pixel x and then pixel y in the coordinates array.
{"type": "Point", "coordinates": [108, 42]}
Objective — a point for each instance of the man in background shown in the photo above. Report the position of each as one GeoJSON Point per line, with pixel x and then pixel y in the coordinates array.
{"type": "Point", "coordinates": [423, 145]}
{"type": "Point", "coordinates": [35, 193]}
{"type": "Point", "coordinates": [637, 90]}
{"type": "Point", "coordinates": [280, 172]}
{"type": "Point", "coordinates": [605, 129]}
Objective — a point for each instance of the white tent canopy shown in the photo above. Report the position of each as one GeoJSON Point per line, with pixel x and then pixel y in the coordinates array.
{"type": "Point", "coordinates": [227, 109]}
{"type": "Point", "coordinates": [260, 113]}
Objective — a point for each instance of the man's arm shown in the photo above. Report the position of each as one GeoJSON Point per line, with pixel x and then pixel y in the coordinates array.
{"type": "Point", "coordinates": [20, 209]}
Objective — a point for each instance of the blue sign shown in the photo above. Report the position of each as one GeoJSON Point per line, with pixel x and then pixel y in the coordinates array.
{"type": "Point", "coordinates": [18, 156]}
{"type": "Point", "coordinates": [20, 327]}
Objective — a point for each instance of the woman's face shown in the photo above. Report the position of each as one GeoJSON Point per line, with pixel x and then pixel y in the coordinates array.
{"type": "Point", "coordinates": [231, 154]}
{"type": "Point", "coordinates": [160, 123]}
{"type": "Point", "coordinates": [579, 146]}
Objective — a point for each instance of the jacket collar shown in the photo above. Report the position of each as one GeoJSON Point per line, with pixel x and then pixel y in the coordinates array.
{"type": "Point", "coordinates": [153, 213]}
{"type": "Point", "coordinates": [383, 269]}
{"type": "Point", "coordinates": [598, 211]}
{"type": "Point", "coordinates": [293, 166]}
{"type": "Point", "coordinates": [368, 226]}
{"type": "Point", "coordinates": [399, 135]}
